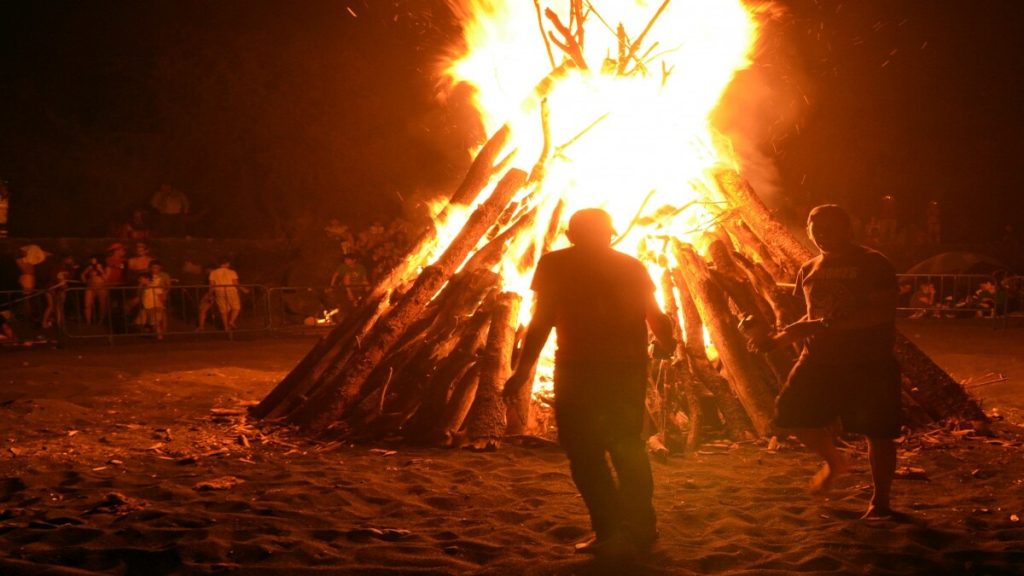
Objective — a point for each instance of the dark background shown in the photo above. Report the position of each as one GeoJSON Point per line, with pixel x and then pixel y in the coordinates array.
{"type": "Point", "coordinates": [272, 115]}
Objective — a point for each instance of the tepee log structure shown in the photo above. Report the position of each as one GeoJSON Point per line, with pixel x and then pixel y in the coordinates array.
{"type": "Point", "coordinates": [428, 363]}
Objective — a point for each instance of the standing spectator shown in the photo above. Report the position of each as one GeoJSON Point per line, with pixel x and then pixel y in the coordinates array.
{"type": "Point", "coordinates": [56, 291]}
{"type": "Point", "coordinates": [224, 283]}
{"type": "Point", "coordinates": [351, 276]}
{"type": "Point", "coordinates": [206, 302]}
{"type": "Point", "coordinates": [139, 262]}
{"type": "Point", "coordinates": [136, 228]}
{"type": "Point", "coordinates": [161, 279]}
{"type": "Point", "coordinates": [171, 206]}
{"type": "Point", "coordinates": [31, 256]}
{"type": "Point", "coordinates": [116, 265]}
{"type": "Point", "coordinates": [923, 300]}
{"type": "Point", "coordinates": [94, 276]}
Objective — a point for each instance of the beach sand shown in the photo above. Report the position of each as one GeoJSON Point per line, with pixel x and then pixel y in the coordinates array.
{"type": "Point", "coordinates": [138, 459]}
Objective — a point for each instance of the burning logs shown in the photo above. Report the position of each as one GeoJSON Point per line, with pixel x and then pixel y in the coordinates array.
{"type": "Point", "coordinates": [486, 420]}
{"type": "Point", "coordinates": [741, 196]}
{"type": "Point", "coordinates": [737, 423]}
{"type": "Point", "coordinates": [333, 402]}
{"type": "Point", "coordinates": [746, 376]}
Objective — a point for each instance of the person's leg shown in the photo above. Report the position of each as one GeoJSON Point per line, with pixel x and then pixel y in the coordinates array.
{"type": "Point", "coordinates": [582, 437]}
{"type": "Point", "coordinates": [882, 452]}
{"type": "Point", "coordinates": [233, 316]}
{"type": "Point", "coordinates": [806, 405]}
{"type": "Point", "coordinates": [874, 408]}
{"type": "Point", "coordinates": [204, 311]}
{"type": "Point", "coordinates": [60, 302]}
{"type": "Point", "coordinates": [623, 415]}
{"type": "Point", "coordinates": [819, 441]}
{"type": "Point", "coordinates": [222, 308]}
{"type": "Point", "coordinates": [90, 297]}
{"type": "Point", "coordinates": [636, 489]}
{"type": "Point", "coordinates": [593, 479]}
{"type": "Point", "coordinates": [48, 312]}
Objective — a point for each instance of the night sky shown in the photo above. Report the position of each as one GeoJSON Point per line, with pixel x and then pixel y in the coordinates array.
{"type": "Point", "coordinates": [270, 115]}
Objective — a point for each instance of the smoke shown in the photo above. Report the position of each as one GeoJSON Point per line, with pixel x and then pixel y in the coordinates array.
{"type": "Point", "coordinates": [765, 106]}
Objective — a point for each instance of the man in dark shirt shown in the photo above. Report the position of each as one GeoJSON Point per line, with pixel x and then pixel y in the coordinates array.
{"type": "Point", "coordinates": [601, 303]}
{"type": "Point", "coordinates": [847, 369]}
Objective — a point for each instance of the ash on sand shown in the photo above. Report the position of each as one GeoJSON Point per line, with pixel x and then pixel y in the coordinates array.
{"type": "Point", "coordinates": [139, 459]}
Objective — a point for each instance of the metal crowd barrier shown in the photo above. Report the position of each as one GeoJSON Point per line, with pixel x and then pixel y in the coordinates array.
{"type": "Point", "coordinates": [115, 313]}
{"type": "Point", "coordinates": [314, 308]}
{"type": "Point", "coordinates": [957, 296]}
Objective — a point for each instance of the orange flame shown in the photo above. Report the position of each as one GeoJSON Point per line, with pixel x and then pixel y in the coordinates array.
{"type": "Point", "coordinates": [628, 125]}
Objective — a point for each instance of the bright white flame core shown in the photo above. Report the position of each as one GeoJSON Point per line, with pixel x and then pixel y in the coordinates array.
{"type": "Point", "coordinates": [644, 133]}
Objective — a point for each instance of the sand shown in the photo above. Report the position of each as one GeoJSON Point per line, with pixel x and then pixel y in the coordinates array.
{"type": "Point", "coordinates": [137, 459]}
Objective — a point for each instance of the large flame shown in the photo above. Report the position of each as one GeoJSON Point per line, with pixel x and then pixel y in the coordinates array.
{"type": "Point", "coordinates": [630, 135]}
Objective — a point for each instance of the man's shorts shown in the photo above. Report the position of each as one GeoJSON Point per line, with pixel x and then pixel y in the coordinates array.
{"type": "Point", "coordinates": [227, 298]}
{"type": "Point", "coordinates": [865, 396]}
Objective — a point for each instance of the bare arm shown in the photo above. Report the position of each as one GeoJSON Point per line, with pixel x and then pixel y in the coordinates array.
{"type": "Point", "coordinates": [878, 308]}
{"type": "Point", "coordinates": [659, 323]}
{"type": "Point", "coordinates": [533, 344]}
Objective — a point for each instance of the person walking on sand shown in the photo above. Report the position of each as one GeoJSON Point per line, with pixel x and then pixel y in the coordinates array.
{"type": "Point", "coordinates": [601, 303]}
{"type": "Point", "coordinates": [847, 369]}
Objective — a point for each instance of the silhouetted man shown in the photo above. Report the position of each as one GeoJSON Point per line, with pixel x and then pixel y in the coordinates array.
{"type": "Point", "coordinates": [601, 302]}
{"type": "Point", "coordinates": [847, 369]}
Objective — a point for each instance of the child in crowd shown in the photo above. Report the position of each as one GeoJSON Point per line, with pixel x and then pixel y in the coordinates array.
{"type": "Point", "coordinates": [151, 299]}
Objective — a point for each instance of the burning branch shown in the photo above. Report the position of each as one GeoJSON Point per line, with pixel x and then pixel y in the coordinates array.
{"type": "Point", "coordinates": [639, 39]}
{"type": "Point", "coordinates": [568, 43]}
{"type": "Point", "coordinates": [543, 33]}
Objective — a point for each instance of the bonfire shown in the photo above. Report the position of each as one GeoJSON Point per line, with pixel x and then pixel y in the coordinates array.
{"type": "Point", "coordinates": [587, 104]}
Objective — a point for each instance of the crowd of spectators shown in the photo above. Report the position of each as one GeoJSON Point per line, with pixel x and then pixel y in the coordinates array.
{"type": "Point", "coordinates": [127, 288]}
{"type": "Point", "coordinates": [960, 296]}
{"type": "Point", "coordinates": [111, 291]}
